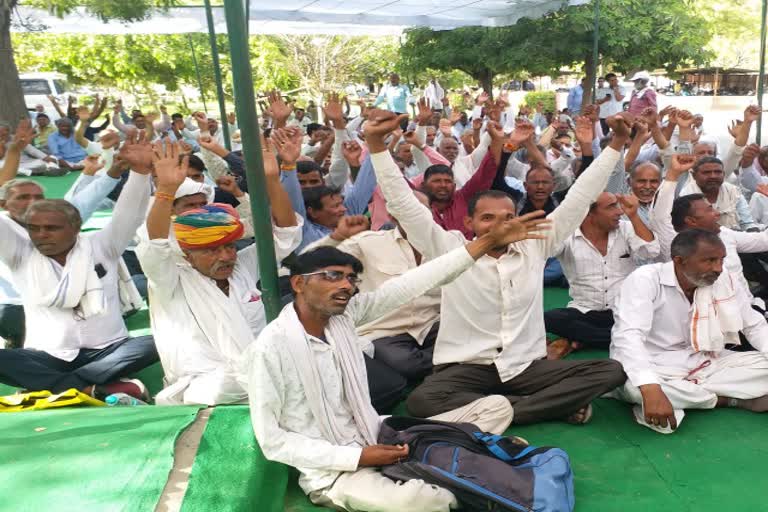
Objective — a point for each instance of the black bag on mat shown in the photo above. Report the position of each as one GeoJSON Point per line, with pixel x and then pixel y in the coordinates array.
{"type": "Point", "coordinates": [484, 471]}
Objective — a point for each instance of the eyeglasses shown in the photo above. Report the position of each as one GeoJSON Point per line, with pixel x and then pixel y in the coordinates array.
{"type": "Point", "coordinates": [334, 276]}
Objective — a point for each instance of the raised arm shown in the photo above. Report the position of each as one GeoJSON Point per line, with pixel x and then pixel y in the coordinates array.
{"type": "Point", "coordinates": [415, 218]}
{"type": "Point", "coordinates": [661, 213]}
{"type": "Point", "coordinates": [571, 212]}
{"type": "Point", "coordinates": [23, 136]}
{"type": "Point", "coordinates": [400, 290]}
{"type": "Point", "coordinates": [356, 201]}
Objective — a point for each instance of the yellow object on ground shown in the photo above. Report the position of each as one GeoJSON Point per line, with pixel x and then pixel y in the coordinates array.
{"type": "Point", "coordinates": [38, 400]}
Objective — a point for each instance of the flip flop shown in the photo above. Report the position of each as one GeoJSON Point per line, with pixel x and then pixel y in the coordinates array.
{"type": "Point", "coordinates": [586, 411]}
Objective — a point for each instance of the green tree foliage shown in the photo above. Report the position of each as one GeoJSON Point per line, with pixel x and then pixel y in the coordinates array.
{"type": "Point", "coordinates": [736, 32]}
{"type": "Point", "coordinates": [12, 107]}
{"type": "Point", "coordinates": [634, 34]}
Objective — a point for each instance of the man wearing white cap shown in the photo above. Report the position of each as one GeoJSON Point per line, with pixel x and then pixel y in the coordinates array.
{"type": "Point", "coordinates": [643, 96]}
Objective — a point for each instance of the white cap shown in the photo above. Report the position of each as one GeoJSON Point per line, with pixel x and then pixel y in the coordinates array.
{"type": "Point", "coordinates": [190, 187]}
{"type": "Point", "coordinates": [640, 75]}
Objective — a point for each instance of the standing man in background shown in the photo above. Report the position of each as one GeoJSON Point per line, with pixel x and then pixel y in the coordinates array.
{"type": "Point", "coordinates": [610, 99]}
{"type": "Point", "coordinates": [396, 96]}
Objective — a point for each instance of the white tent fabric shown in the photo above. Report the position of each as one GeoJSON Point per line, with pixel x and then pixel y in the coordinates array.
{"type": "Point", "coordinates": [347, 17]}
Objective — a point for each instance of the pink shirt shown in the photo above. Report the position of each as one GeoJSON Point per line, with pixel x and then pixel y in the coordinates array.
{"type": "Point", "coordinates": [638, 104]}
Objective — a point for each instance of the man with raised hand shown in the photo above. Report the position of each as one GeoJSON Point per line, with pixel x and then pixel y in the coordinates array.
{"type": "Point", "coordinates": [307, 387]}
{"type": "Point", "coordinates": [206, 307]}
{"type": "Point", "coordinates": [492, 339]}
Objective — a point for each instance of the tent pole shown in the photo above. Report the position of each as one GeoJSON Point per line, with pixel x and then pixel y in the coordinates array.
{"type": "Point", "coordinates": [248, 19]}
{"type": "Point", "coordinates": [223, 124]}
{"type": "Point", "coordinates": [595, 53]}
{"type": "Point", "coordinates": [197, 71]}
{"type": "Point", "coordinates": [245, 106]}
{"type": "Point", "coordinates": [761, 77]}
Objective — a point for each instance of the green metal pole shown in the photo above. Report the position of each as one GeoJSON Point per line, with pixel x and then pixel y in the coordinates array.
{"type": "Point", "coordinates": [595, 53]}
{"type": "Point", "coordinates": [761, 77]}
{"type": "Point", "coordinates": [248, 18]}
{"type": "Point", "coordinates": [197, 71]}
{"type": "Point", "coordinates": [223, 125]}
{"type": "Point", "coordinates": [245, 106]}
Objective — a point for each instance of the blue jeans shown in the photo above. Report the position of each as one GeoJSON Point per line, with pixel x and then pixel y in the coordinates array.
{"type": "Point", "coordinates": [37, 370]}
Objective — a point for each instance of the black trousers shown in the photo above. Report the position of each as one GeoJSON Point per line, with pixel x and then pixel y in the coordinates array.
{"type": "Point", "coordinates": [546, 390]}
{"type": "Point", "coordinates": [593, 328]}
{"type": "Point", "coordinates": [386, 386]}
{"type": "Point", "coordinates": [405, 356]}
{"type": "Point", "coordinates": [12, 327]}
{"type": "Point", "coordinates": [36, 370]}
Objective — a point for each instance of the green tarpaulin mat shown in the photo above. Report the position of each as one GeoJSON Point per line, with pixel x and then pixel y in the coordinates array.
{"type": "Point", "coordinates": [230, 473]}
{"type": "Point", "coordinates": [101, 459]}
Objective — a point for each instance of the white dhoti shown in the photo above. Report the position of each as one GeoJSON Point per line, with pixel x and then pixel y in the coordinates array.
{"type": "Point", "coordinates": [742, 375]}
{"type": "Point", "coordinates": [367, 490]}
{"type": "Point", "coordinates": [215, 388]}
{"type": "Point", "coordinates": [491, 414]}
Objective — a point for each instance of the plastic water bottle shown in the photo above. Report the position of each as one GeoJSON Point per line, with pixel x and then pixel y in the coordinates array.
{"type": "Point", "coordinates": [122, 399]}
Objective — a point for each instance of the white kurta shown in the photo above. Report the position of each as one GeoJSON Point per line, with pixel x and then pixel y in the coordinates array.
{"type": "Point", "coordinates": [651, 339]}
{"type": "Point", "coordinates": [196, 371]}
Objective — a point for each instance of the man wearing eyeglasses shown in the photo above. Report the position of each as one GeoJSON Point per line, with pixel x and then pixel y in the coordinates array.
{"type": "Point", "coordinates": [205, 306]}
{"type": "Point", "coordinates": [307, 385]}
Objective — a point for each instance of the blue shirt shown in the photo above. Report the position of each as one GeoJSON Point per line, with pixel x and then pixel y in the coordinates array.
{"type": "Point", "coordinates": [575, 97]}
{"type": "Point", "coordinates": [396, 97]}
{"type": "Point", "coordinates": [355, 200]}
{"type": "Point", "coordinates": [66, 148]}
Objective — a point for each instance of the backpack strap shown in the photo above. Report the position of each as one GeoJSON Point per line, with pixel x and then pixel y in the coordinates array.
{"type": "Point", "coordinates": [493, 443]}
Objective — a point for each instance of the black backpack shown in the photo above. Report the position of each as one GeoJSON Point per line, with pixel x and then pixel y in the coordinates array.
{"type": "Point", "coordinates": [484, 471]}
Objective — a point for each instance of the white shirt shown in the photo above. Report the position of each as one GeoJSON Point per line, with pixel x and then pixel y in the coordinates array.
{"type": "Point", "coordinates": [184, 349]}
{"type": "Point", "coordinates": [434, 95]}
{"type": "Point", "coordinates": [59, 331]}
{"type": "Point", "coordinates": [493, 313]}
{"type": "Point", "coordinates": [595, 279]}
{"type": "Point", "coordinates": [282, 420]}
{"type": "Point", "coordinates": [612, 106]}
{"type": "Point", "coordinates": [652, 325]}
{"type": "Point", "coordinates": [734, 241]}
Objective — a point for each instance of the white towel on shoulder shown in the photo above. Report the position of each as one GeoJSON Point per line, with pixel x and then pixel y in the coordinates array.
{"type": "Point", "coordinates": [75, 286]}
{"type": "Point", "coordinates": [716, 319]}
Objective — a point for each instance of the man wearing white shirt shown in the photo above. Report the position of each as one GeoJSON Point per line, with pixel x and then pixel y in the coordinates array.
{"type": "Point", "coordinates": [75, 334]}
{"type": "Point", "coordinates": [309, 400]}
{"type": "Point", "coordinates": [434, 94]}
{"type": "Point", "coordinates": [492, 338]}
{"type": "Point", "coordinates": [673, 322]}
{"type": "Point", "coordinates": [205, 305]}
{"type": "Point", "coordinates": [596, 259]}
{"type": "Point", "coordinates": [610, 99]}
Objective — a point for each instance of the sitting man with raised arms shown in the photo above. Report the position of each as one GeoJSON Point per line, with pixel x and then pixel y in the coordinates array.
{"type": "Point", "coordinates": [307, 385]}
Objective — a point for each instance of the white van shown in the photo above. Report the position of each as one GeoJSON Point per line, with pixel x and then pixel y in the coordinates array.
{"type": "Point", "coordinates": [37, 87]}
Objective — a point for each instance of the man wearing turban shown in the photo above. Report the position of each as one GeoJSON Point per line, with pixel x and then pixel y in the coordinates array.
{"type": "Point", "coordinates": [206, 308]}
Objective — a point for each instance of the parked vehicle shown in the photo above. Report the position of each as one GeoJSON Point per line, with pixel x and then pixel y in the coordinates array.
{"type": "Point", "coordinates": [38, 86]}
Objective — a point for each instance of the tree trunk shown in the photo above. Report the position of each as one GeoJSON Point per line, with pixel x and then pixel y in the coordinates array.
{"type": "Point", "coordinates": [12, 106]}
{"type": "Point", "coordinates": [590, 72]}
{"type": "Point", "coordinates": [485, 80]}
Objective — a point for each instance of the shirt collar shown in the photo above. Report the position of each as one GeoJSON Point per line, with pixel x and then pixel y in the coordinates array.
{"type": "Point", "coordinates": [667, 275]}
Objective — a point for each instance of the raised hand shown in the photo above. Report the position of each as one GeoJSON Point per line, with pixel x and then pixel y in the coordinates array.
{"type": "Point", "coordinates": [477, 124]}
{"type": "Point", "coordinates": [592, 112]}
{"type": "Point", "coordinates": [202, 121]}
{"type": "Point", "coordinates": [749, 155]}
{"type": "Point", "coordinates": [621, 127]}
{"type": "Point", "coordinates": [424, 115]}
{"type": "Point", "coordinates": [84, 114]}
{"type": "Point", "coordinates": [751, 114]}
{"type": "Point", "coordinates": [207, 142]}
{"type": "Point", "coordinates": [495, 131]}
{"type": "Point", "coordinates": [679, 166]}
{"type": "Point", "coordinates": [279, 109]}
{"type": "Point", "coordinates": [524, 131]}
{"type": "Point", "coordinates": [382, 122]}
{"type": "Point", "coordinates": [734, 127]}
{"type": "Point", "coordinates": [334, 112]}
{"type": "Point", "coordinates": [663, 112]}
{"type": "Point", "coordinates": [412, 138]}
{"type": "Point", "coordinates": [23, 136]}
{"type": "Point", "coordinates": [585, 130]}
{"type": "Point", "coordinates": [641, 129]}
{"type": "Point", "coordinates": [629, 203]}
{"type": "Point", "coordinates": [525, 227]}
{"type": "Point", "coordinates": [445, 127]}
{"type": "Point", "coordinates": [455, 116]}
{"type": "Point", "coordinates": [349, 226]}
{"type": "Point", "coordinates": [92, 165]}
{"type": "Point", "coordinates": [482, 98]}
{"type": "Point", "coordinates": [269, 156]}
{"type": "Point", "coordinates": [228, 183]}
{"type": "Point", "coordinates": [137, 151]}
{"type": "Point", "coordinates": [353, 153]}
{"type": "Point", "coordinates": [684, 119]}
{"type": "Point", "coordinates": [170, 171]}
{"type": "Point", "coordinates": [287, 143]}
{"type": "Point", "coordinates": [650, 117]}
{"type": "Point", "coordinates": [231, 119]}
